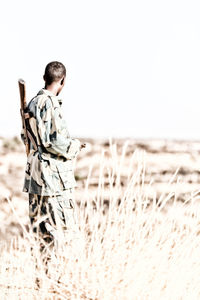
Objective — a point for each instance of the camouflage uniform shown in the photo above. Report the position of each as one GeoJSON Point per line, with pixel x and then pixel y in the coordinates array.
{"type": "Point", "coordinates": [49, 174]}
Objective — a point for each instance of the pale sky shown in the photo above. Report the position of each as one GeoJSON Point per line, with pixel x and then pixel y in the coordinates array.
{"type": "Point", "coordinates": [133, 67]}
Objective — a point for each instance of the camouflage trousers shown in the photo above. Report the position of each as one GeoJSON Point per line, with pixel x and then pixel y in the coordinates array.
{"type": "Point", "coordinates": [49, 214]}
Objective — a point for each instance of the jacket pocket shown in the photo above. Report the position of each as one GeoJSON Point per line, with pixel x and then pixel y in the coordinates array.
{"type": "Point", "coordinates": [64, 172]}
{"type": "Point", "coordinates": [66, 177]}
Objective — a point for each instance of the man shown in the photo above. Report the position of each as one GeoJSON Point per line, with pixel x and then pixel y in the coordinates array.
{"type": "Point", "coordinates": [49, 174]}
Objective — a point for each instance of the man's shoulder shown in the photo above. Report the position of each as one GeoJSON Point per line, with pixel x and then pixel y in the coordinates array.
{"type": "Point", "coordinates": [48, 99]}
{"type": "Point", "coordinates": [41, 100]}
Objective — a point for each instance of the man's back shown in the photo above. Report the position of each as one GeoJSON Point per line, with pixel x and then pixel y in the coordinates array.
{"type": "Point", "coordinates": [49, 168]}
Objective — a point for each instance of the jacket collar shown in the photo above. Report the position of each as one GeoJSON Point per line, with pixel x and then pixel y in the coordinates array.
{"type": "Point", "coordinates": [55, 99]}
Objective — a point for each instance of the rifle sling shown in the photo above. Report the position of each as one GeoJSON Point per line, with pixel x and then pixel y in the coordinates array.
{"type": "Point", "coordinates": [27, 116]}
{"type": "Point", "coordinates": [32, 140]}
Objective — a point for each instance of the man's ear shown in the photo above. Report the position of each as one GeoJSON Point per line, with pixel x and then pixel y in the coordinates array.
{"type": "Point", "coordinates": [62, 81]}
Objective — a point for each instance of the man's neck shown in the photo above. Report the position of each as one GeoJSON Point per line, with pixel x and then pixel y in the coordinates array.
{"type": "Point", "coordinates": [53, 88]}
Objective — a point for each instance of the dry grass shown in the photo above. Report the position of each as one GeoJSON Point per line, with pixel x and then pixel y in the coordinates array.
{"type": "Point", "coordinates": [129, 248]}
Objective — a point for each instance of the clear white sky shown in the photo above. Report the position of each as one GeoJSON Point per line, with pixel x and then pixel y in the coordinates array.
{"type": "Point", "coordinates": [133, 67]}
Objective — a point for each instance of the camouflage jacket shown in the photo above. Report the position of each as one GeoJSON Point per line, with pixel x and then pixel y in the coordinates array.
{"type": "Point", "coordinates": [50, 168]}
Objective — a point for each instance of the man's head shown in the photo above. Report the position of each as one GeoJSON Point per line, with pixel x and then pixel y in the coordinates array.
{"type": "Point", "coordinates": [54, 75]}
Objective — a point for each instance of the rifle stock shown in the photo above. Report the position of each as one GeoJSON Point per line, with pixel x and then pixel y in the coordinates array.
{"type": "Point", "coordinates": [22, 91]}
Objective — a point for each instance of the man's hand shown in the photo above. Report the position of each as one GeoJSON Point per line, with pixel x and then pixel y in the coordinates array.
{"type": "Point", "coordinates": [82, 146]}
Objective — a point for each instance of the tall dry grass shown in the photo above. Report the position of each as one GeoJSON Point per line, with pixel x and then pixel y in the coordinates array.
{"type": "Point", "coordinates": [133, 248]}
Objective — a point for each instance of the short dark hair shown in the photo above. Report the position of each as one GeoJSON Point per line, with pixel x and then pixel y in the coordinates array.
{"type": "Point", "coordinates": [54, 71]}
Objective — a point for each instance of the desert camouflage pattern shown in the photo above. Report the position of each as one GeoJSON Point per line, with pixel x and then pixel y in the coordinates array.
{"type": "Point", "coordinates": [48, 213]}
{"type": "Point", "coordinates": [50, 168]}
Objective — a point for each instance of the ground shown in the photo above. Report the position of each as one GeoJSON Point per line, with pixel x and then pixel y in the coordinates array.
{"type": "Point", "coordinates": [162, 158]}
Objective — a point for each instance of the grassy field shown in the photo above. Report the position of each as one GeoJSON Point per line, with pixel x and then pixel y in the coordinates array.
{"type": "Point", "coordinates": [135, 241]}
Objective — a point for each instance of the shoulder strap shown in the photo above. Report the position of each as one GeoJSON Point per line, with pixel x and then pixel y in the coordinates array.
{"type": "Point", "coordinates": [32, 140]}
{"type": "Point", "coordinates": [30, 134]}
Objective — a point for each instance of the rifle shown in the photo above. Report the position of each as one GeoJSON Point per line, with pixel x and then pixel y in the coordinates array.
{"type": "Point", "coordinates": [24, 115]}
